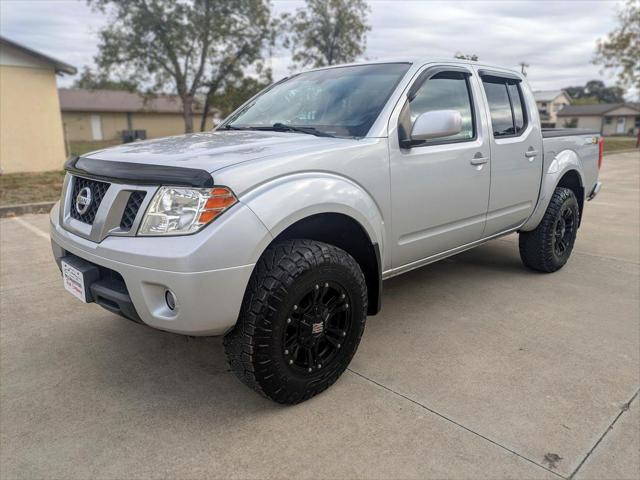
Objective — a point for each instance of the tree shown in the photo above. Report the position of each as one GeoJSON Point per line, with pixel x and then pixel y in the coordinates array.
{"type": "Point", "coordinates": [170, 43]}
{"type": "Point", "coordinates": [100, 81]}
{"type": "Point", "coordinates": [621, 49]}
{"type": "Point", "coordinates": [235, 94]}
{"type": "Point", "coordinates": [595, 91]}
{"type": "Point", "coordinates": [466, 56]}
{"type": "Point", "coordinates": [249, 32]}
{"type": "Point", "coordinates": [327, 32]}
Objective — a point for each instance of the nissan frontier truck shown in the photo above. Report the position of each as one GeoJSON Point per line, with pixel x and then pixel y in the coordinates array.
{"type": "Point", "coordinates": [278, 228]}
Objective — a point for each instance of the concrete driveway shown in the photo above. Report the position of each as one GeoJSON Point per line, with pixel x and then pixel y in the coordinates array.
{"type": "Point", "coordinates": [477, 368]}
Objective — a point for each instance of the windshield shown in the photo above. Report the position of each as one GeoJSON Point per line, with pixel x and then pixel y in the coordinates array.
{"type": "Point", "coordinates": [343, 101]}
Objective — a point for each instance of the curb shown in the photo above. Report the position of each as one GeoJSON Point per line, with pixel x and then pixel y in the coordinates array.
{"type": "Point", "coordinates": [13, 210]}
{"type": "Point", "coordinates": [631, 150]}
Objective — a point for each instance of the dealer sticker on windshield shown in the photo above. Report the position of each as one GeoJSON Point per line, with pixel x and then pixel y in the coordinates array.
{"type": "Point", "coordinates": [73, 281]}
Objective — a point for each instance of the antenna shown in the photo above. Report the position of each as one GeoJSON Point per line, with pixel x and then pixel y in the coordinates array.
{"type": "Point", "coordinates": [523, 68]}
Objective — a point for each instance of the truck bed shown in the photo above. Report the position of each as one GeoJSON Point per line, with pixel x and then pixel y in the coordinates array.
{"type": "Point", "coordinates": [573, 141]}
{"type": "Point", "coordinates": [566, 132]}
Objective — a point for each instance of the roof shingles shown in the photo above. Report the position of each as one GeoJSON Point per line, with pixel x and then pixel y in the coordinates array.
{"type": "Point", "coordinates": [595, 109]}
{"type": "Point", "coordinates": [547, 95]}
{"type": "Point", "coordinates": [81, 100]}
{"type": "Point", "coordinates": [60, 67]}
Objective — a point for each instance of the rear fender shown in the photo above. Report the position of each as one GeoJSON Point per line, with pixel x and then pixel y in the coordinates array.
{"type": "Point", "coordinates": [562, 163]}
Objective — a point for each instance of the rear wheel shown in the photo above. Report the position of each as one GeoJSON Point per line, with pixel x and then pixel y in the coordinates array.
{"type": "Point", "coordinates": [549, 246]}
{"type": "Point", "coordinates": [301, 320]}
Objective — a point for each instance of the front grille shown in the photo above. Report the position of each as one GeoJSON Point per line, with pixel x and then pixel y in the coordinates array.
{"type": "Point", "coordinates": [131, 210]}
{"type": "Point", "coordinates": [98, 190]}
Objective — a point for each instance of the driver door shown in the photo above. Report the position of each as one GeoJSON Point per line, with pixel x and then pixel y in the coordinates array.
{"type": "Point", "coordinates": [439, 187]}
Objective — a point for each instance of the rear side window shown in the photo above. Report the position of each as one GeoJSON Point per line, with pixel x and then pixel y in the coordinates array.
{"type": "Point", "coordinates": [506, 105]}
{"type": "Point", "coordinates": [517, 104]}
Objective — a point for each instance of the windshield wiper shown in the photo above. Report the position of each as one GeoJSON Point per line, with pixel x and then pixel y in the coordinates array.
{"type": "Point", "coordinates": [281, 127]}
{"type": "Point", "coordinates": [308, 130]}
{"type": "Point", "coordinates": [231, 127]}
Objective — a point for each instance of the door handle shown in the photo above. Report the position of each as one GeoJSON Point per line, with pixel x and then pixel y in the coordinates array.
{"type": "Point", "coordinates": [479, 160]}
{"type": "Point", "coordinates": [531, 153]}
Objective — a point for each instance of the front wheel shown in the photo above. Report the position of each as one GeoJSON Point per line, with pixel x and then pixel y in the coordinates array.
{"type": "Point", "coordinates": [301, 320]}
{"type": "Point", "coordinates": [548, 247]}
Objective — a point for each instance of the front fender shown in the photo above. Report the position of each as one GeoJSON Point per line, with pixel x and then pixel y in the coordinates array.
{"type": "Point", "coordinates": [283, 201]}
{"type": "Point", "coordinates": [562, 163]}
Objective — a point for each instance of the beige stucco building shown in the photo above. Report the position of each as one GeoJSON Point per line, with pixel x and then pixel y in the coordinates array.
{"type": "Point", "coordinates": [99, 115]}
{"type": "Point", "coordinates": [31, 135]}
{"type": "Point", "coordinates": [549, 103]}
{"type": "Point", "coordinates": [607, 118]}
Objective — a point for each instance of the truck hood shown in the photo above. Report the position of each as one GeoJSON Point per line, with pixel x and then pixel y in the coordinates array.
{"type": "Point", "coordinates": [214, 150]}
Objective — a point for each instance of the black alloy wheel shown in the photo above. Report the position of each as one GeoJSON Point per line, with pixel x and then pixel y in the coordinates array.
{"type": "Point", "coordinates": [564, 231]}
{"type": "Point", "coordinates": [301, 321]}
{"type": "Point", "coordinates": [316, 327]}
{"type": "Point", "coordinates": [548, 247]}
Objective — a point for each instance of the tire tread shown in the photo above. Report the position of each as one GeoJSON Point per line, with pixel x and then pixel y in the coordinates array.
{"type": "Point", "coordinates": [278, 268]}
{"type": "Point", "coordinates": [536, 246]}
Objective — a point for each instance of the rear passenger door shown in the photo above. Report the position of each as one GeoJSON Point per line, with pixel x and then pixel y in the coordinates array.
{"type": "Point", "coordinates": [516, 152]}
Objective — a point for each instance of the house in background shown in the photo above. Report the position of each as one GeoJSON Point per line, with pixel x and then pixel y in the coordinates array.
{"type": "Point", "coordinates": [607, 118]}
{"type": "Point", "coordinates": [549, 103]}
{"type": "Point", "coordinates": [112, 115]}
{"type": "Point", "coordinates": [31, 136]}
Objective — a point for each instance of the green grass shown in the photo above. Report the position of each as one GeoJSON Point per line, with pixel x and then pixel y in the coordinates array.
{"type": "Point", "coordinates": [16, 188]}
{"type": "Point", "coordinates": [80, 148]}
{"type": "Point", "coordinates": [614, 144]}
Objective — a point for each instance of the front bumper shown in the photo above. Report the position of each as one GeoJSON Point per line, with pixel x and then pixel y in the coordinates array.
{"type": "Point", "coordinates": [208, 298]}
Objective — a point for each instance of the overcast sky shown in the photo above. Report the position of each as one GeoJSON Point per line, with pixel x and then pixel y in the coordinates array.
{"type": "Point", "coordinates": [557, 38]}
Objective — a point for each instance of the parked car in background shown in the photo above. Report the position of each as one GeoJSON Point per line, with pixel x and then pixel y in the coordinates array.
{"type": "Point", "coordinates": [277, 229]}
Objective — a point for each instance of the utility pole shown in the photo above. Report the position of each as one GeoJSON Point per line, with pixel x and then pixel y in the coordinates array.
{"type": "Point", "coordinates": [523, 68]}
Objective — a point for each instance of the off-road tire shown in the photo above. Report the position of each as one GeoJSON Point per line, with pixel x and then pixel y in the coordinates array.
{"type": "Point", "coordinates": [254, 347]}
{"type": "Point", "coordinates": [538, 247]}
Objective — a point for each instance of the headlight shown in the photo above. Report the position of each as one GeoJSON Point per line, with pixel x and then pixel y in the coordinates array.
{"type": "Point", "coordinates": [181, 211]}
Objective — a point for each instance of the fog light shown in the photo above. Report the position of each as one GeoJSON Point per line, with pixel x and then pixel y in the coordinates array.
{"type": "Point", "coordinates": [170, 298]}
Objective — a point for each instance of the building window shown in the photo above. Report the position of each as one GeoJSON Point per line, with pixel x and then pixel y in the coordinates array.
{"type": "Point", "coordinates": [638, 121]}
{"type": "Point", "coordinates": [607, 120]}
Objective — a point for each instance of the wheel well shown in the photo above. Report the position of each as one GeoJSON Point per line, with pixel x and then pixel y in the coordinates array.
{"type": "Point", "coordinates": [345, 233]}
{"type": "Point", "coordinates": [571, 180]}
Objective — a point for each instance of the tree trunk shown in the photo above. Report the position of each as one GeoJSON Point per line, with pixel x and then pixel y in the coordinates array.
{"type": "Point", "coordinates": [205, 112]}
{"type": "Point", "coordinates": [187, 113]}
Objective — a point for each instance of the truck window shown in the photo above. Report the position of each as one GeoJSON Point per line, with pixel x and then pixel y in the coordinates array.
{"type": "Point", "coordinates": [341, 101]}
{"type": "Point", "coordinates": [446, 91]}
{"type": "Point", "coordinates": [506, 105]}
{"type": "Point", "coordinates": [517, 104]}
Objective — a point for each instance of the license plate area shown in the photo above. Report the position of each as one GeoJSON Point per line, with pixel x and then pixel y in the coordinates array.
{"type": "Point", "coordinates": [77, 277]}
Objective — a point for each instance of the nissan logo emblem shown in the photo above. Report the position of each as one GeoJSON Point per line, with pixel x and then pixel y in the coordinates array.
{"type": "Point", "coordinates": [83, 200]}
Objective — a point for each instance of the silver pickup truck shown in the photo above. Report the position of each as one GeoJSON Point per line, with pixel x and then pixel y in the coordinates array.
{"type": "Point", "coordinates": [277, 229]}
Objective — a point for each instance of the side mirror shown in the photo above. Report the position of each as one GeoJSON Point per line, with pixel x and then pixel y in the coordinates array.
{"type": "Point", "coordinates": [436, 124]}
